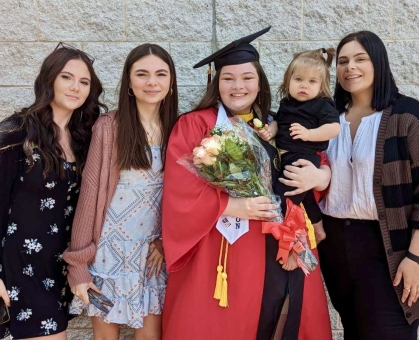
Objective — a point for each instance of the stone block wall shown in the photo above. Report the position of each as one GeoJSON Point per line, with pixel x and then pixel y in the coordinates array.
{"type": "Point", "coordinates": [190, 30]}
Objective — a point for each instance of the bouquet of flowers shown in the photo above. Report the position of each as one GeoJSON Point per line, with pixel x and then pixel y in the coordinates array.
{"type": "Point", "coordinates": [233, 159]}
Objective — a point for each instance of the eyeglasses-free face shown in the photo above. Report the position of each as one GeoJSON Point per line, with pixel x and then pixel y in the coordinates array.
{"type": "Point", "coordinates": [354, 69]}
{"type": "Point", "coordinates": [71, 87]}
{"type": "Point", "coordinates": [239, 87]}
{"type": "Point", "coordinates": [149, 80]}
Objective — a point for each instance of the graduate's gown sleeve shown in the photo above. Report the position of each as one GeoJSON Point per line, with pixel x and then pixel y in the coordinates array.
{"type": "Point", "coordinates": [190, 207]}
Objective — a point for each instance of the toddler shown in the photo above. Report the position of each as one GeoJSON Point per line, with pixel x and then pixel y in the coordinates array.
{"type": "Point", "coordinates": [306, 120]}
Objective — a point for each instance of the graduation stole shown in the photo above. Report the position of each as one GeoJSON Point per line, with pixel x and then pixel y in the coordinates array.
{"type": "Point", "coordinates": [230, 227]}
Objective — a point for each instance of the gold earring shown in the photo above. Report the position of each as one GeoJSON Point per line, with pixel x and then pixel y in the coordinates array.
{"type": "Point", "coordinates": [131, 95]}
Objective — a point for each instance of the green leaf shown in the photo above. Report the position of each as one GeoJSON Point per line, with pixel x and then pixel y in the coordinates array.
{"type": "Point", "coordinates": [233, 150]}
{"type": "Point", "coordinates": [234, 169]}
{"type": "Point", "coordinates": [224, 168]}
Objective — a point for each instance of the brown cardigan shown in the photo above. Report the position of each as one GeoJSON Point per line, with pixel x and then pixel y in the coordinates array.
{"type": "Point", "coordinates": [396, 185]}
{"type": "Point", "coordinates": [100, 177]}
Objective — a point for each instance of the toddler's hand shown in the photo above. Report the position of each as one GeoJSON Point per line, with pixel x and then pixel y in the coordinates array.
{"type": "Point", "coordinates": [299, 132]}
{"type": "Point", "coordinates": [264, 133]}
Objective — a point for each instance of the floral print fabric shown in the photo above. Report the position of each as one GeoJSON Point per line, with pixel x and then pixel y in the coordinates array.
{"type": "Point", "coordinates": [38, 232]}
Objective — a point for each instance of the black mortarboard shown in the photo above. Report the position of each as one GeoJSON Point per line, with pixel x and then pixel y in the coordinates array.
{"type": "Point", "coordinates": [237, 52]}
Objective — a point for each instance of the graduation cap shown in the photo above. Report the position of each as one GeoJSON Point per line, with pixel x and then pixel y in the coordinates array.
{"type": "Point", "coordinates": [237, 52]}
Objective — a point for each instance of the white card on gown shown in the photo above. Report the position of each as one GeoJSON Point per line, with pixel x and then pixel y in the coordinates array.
{"type": "Point", "coordinates": [232, 228]}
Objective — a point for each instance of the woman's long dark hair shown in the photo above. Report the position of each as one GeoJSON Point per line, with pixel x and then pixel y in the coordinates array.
{"type": "Point", "coordinates": [132, 144]}
{"type": "Point", "coordinates": [38, 118]}
{"type": "Point", "coordinates": [212, 94]}
{"type": "Point", "coordinates": [385, 89]}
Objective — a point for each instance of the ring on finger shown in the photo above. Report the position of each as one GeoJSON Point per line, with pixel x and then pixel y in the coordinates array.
{"type": "Point", "coordinates": [408, 289]}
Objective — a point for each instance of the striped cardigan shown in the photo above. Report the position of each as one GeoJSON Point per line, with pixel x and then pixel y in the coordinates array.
{"type": "Point", "coordinates": [396, 184]}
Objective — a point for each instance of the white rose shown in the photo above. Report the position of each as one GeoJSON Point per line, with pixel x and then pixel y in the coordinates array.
{"type": "Point", "coordinates": [212, 145]}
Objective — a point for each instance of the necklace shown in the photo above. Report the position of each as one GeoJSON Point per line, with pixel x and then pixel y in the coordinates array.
{"type": "Point", "coordinates": [150, 137]}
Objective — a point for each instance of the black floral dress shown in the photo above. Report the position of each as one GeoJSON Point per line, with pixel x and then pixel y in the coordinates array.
{"type": "Point", "coordinates": [32, 267]}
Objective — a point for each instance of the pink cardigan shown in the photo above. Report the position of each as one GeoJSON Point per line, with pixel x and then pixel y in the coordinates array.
{"type": "Point", "coordinates": [100, 177]}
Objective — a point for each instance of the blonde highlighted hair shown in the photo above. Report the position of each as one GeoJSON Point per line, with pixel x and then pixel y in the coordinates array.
{"type": "Point", "coordinates": [310, 59]}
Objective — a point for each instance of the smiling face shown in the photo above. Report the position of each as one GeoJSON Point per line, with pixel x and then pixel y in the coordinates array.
{"type": "Point", "coordinates": [149, 80]}
{"type": "Point", "coordinates": [239, 87]}
{"type": "Point", "coordinates": [305, 83]}
{"type": "Point", "coordinates": [71, 87]}
{"type": "Point", "coordinates": [354, 69]}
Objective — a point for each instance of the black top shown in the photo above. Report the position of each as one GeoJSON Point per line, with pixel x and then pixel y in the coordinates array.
{"type": "Point", "coordinates": [11, 156]}
{"type": "Point", "coordinates": [310, 114]}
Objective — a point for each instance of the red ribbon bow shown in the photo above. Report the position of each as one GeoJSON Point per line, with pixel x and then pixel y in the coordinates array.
{"type": "Point", "coordinates": [286, 232]}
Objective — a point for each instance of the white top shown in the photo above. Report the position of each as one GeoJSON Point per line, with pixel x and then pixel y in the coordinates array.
{"type": "Point", "coordinates": [351, 187]}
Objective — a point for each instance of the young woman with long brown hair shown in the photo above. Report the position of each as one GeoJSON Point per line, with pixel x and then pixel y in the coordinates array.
{"type": "Point", "coordinates": [43, 149]}
{"type": "Point", "coordinates": [257, 283]}
{"type": "Point", "coordinates": [116, 245]}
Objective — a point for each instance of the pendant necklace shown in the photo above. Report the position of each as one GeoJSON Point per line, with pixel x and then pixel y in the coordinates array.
{"type": "Point", "coordinates": [150, 137]}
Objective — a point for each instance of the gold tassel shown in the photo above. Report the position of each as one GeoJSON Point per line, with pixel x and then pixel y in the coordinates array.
{"type": "Point", "coordinates": [219, 282]}
{"type": "Point", "coordinates": [224, 289]}
{"type": "Point", "coordinates": [224, 299]}
{"type": "Point", "coordinates": [309, 225]}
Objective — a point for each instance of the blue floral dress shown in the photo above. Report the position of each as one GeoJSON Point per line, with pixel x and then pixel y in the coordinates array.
{"type": "Point", "coordinates": [32, 267]}
{"type": "Point", "coordinates": [133, 221]}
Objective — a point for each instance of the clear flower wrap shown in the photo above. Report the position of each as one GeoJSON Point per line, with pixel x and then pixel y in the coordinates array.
{"type": "Point", "coordinates": [304, 256]}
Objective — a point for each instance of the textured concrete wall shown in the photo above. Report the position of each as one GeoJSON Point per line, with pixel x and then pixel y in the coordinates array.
{"type": "Point", "coordinates": [109, 29]}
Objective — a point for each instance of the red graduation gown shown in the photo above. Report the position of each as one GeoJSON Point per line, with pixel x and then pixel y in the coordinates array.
{"type": "Point", "coordinates": [315, 320]}
{"type": "Point", "coordinates": [190, 209]}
